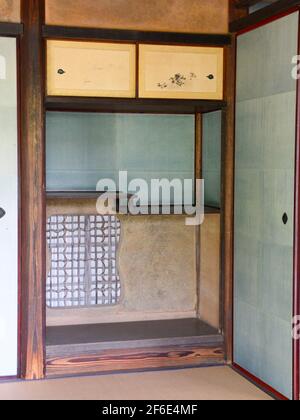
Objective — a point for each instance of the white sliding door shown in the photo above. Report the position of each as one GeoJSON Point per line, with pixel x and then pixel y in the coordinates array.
{"type": "Point", "coordinates": [264, 202]}
{"type": "Point", "coordinates": [8, 209]}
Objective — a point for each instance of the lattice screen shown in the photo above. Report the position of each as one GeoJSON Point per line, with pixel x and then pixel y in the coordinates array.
{"type": "Point", "coordinates": [83, 261]}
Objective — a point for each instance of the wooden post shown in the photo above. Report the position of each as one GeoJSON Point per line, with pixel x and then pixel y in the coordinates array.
{"type": "Point", "coordinates": [237, 10]}
{"type": "Point", "coordinates": [228, 158]}
{"type": "Point", "coordinates": [33, 235]}
{"type": "Point", "coordinates": [198, 175]}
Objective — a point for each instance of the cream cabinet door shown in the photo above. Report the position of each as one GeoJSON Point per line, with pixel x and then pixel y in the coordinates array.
{"type": "Point", "coordinates": [8, 209]}
{"type": "Point", "coordinates": [180, 72]}
{"type": "Point", "coordinates": [95, 69]}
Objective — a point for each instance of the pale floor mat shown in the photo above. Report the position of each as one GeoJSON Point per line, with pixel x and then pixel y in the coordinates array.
{"type": "Point", "coordinates": [220, 383]}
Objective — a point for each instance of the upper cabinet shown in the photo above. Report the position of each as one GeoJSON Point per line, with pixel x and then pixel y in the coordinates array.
{"type": "Point", "coordinates": [180, 72]}
{"type": "Point", "coordinates": [101, 69]}
{"type": "Point", "coordinates": [91, 69]}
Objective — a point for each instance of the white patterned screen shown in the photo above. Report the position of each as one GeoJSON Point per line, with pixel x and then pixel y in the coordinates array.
{"type": "Point", "coordinates": [83, 269]}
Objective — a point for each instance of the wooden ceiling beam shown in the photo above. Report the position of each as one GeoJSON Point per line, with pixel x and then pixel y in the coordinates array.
{"type": "Point", "coordinates": [249, 3]}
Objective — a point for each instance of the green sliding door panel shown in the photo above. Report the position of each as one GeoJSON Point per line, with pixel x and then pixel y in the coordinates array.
{"type": "Point", "coordinates": [211, 161]}
{"type": "Point", "coordinates": [264, 192]}
{"type": "Point", "coordinates": [83, 148]}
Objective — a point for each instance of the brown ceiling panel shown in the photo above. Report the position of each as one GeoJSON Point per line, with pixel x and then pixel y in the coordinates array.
{"type": "Point", "coordinates": [193, 16]}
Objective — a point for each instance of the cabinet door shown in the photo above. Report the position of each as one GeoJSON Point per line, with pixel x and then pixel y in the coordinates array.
{"type": "Point", "coordinates": [9, 208]}
{"type": "Point", "coordinates": [264, 202]}
{"type": "Point", "coordinates": [91, 69]}
{"type": "Point", "coordinates": [180, 72]}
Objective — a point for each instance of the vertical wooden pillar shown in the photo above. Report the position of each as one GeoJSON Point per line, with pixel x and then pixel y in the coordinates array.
{"type": "Point", "coordinates": [237, 11]}
{"type": "Point", "coordinates": [33, 233]}
{"type": "Point", "coordinates": [198, 175]}
{"type": "Point", "coordinates": [228, 165]}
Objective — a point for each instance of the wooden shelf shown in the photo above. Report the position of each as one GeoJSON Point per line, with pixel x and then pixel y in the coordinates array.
{"type": "Point", "coordinates": [78, 195]}
{"type": "Point", "coordinates": [85, 339]}
{"type": "Point", "coordinates": [147, 106]}
{"type": "Point", "coordinates": [93, 195]}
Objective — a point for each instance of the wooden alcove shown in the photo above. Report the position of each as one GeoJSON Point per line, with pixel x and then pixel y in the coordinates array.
{"type": "Point", "coordinates": [191, 344]}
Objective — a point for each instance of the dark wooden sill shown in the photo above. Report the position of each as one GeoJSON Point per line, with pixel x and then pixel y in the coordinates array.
{"type": "Point", "coordinates": [142, 106]}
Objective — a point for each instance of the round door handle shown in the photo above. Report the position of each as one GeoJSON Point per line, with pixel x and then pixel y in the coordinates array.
{"type": "Point", "coordinates": [2, 213]}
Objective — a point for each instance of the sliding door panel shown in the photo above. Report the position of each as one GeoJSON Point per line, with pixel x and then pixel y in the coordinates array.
{"type": "Point", "coordinates": [264, 202]}
{"type": "Point", "coordinates": [8, 208]}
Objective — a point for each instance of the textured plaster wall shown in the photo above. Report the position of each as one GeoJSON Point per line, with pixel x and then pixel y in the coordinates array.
{"type": "Point", "coordinates": [156, 261]}
{"type": "Point", "coordinates": [10, 11]}
{"type": "Point", "coordinates": [198, 16]}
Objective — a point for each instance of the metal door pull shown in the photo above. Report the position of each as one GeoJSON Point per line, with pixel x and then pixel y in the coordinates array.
{"type": "Point", "coordinates": [2, 213]}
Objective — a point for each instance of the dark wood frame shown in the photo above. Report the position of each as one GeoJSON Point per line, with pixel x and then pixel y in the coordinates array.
{"type": "Point", "coordinates": [33, 207]}
{"type": "Point", "coordinates": [75, 33]}
{"type": "Point", "coordinates": [11, 29]}
{"type": "Point", "coordinates": [227, 197]}
{"type": "Point", "coordinates": [154, 106]}
{"type": "Point", "coordinates": [260, 384]}
{"type": "Point", "coordinates": [261, 18]}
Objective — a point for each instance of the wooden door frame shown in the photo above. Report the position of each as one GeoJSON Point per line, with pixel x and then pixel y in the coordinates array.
{"type": "Point", "coordinates": [33, 205]}
{"type": "Point", "coordinates": [249, 24]}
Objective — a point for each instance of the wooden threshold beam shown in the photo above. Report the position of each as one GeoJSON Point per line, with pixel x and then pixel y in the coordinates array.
{"type": "Point", "coordinates": [135, 360]}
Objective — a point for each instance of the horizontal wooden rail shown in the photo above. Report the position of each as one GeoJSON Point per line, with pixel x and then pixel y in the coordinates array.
{"type": "Point", "coordinates": [63, 32]}
{"type": "Point", "coordinates": [11, 29]}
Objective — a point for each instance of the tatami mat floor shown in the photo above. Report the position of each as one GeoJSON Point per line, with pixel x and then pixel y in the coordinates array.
{"type": "Point", "coordinates": [220, 383]}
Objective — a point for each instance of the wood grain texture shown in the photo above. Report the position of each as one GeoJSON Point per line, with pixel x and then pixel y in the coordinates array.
{"type": "Point", "coordinates": [227, 193]}
{"type": "Point", "coordinates": [10, 11]}
{"type": "Point", "coordinates": [194, 16]}
{"type": "Point", "coordinates": [135, 360]}
{"type": "Point", "coordinates": [33, 234]}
